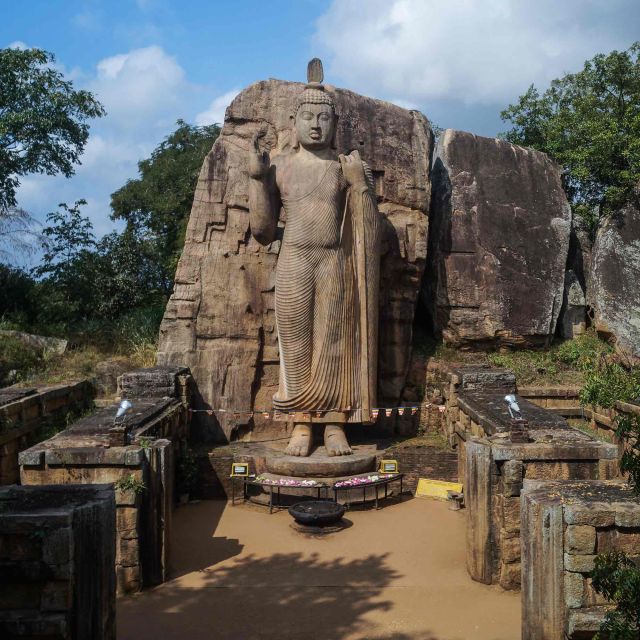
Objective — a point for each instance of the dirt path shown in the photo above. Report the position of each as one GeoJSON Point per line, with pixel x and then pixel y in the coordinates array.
{"type": "Point", "coordinates": [398, 573]}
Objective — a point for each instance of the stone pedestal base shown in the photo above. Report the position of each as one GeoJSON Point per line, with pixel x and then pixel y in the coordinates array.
{"type": "Point", "coordinates": [321, 465]}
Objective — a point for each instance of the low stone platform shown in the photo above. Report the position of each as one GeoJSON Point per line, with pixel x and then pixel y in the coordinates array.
{"type": "Point", "coordinates": [493, 468]}
{"type": "Point", "coordinates": [138, 457]}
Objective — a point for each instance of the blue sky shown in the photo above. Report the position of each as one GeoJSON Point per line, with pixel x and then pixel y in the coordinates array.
{"type": "Point", "coordinates": [153, 61]}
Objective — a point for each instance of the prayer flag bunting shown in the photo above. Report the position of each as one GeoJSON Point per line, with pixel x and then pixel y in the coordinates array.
{"type": "Point", "coordinates": [414, 410]}
{"type": "Point", "coordinates": [374, 413]}
{"type": "Point", "coordinates": [388, 412]}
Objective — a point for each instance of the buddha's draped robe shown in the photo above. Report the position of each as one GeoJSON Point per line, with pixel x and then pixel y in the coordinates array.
{"type": "Point", "coordinates": [324, 311]}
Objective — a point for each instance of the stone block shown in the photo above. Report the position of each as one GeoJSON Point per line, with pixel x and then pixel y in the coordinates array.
{"type": "Point", "coordinates": [579, 564]}
{"type": "Point", "coordinates": [56, 547]}
{"type": "Point", "coordinates": [595, 514]}
{"type": "Point", "coordinates": [511, 514]}
{"type": "Point", "coordinates": [56, 596]}
{"type": "Point", "coordinates": [510, 576]}
{"type": "Point", "coordinates": [591, 596]}
{"type": "Point", "coordinates": [580, 539]}
{"type": "Point", "coordinates": [510, 548]}
{"type": "Point", "coordinates": [128, 579]}
{"type": "Point", "coordinates": [626, 540]}
{"type": "Point", "coordinates": [573, 590]}
{"type": "Point", "coordinates": [127, 552]}
{"type": "Point", "coordinates": [627, 515]}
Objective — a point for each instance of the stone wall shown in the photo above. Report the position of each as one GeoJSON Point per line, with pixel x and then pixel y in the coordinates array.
{"type": "Point", "coordinates": [433, 463]}
{"type": "Point", "coordinates": [493, 464]}
{"type": "Point", "coordinates": [498, 245]}
{"type": "Point", "coordinates": [57, 553]}
{"type": "Point", "coordinates": [220, 320]}
{"type": "Point", "coordinates": [138, 456]}
{"type": "Point", "coordinates": [564, 526]}
{"type": "Point", "coordinates": [25, 412]}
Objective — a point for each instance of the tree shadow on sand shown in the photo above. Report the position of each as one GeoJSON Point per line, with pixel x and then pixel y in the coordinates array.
{"type": "Point", "coordinates": [285, 596]}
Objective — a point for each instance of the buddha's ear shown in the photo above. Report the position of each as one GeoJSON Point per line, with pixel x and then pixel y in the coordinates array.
{"type": "Point", "coordinates": [334, 144]}
{"type": "Point", "coordinates": [295, 144]}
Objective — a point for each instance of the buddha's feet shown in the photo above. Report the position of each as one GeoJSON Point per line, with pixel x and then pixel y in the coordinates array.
{"type": "Point", "coordinates": [335, 441]}
{"type": "Point", "coordinates": [300, 441]}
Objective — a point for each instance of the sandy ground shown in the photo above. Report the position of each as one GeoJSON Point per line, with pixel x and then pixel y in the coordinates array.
{"type": "Point", "coordinates": [398, 573]}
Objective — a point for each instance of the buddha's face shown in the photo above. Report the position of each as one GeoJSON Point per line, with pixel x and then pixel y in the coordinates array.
{"type": "Point", "coordinates": [315, 124]}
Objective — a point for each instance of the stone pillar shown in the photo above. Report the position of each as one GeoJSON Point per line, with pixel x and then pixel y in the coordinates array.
{"type": "Point", "coordinates": [57, 552]}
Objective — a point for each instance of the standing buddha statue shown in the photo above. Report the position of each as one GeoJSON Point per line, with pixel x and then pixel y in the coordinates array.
{"type": "Point", "coordinates": [327, 276]}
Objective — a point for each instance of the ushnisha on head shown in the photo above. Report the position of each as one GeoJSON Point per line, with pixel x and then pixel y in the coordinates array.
{"type": "Point", "coordinates": [315, 117]}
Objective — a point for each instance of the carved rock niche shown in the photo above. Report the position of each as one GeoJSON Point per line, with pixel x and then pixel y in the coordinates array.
{"type": "Point", "coordinates": [220, 320]}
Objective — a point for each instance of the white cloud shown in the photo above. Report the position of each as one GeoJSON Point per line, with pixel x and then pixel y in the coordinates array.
{"type": "Point", "coordinates": [17, 44]}
{"type": "Point", "coordinates": [142, 83]}
{"type": "Point", "coordinates": [215, 113]}
{"type": "Point", "coordinates": [144, 92]}
{"type": "Point", "coordinates": [474, 51]}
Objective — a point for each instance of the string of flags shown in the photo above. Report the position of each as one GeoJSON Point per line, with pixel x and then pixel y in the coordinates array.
{"type": "Point", "coordinates": [308, 415]}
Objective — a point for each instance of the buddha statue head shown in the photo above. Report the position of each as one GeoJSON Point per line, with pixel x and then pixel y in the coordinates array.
{"type": "Point", "coordinates": [315, 119]}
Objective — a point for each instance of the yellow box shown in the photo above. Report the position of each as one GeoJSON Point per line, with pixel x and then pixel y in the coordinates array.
{"type": "Point", "coordinates": [436, 489]}
{"type": "Point", "coordinates": [388, 466]}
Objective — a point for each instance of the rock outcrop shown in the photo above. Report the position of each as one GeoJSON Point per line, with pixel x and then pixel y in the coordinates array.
{"type": "Point", "coordinates": [499, 238]}
{"type": "Point", "coordinates": [220, 320]}
{"type": "Point", "coordinates": [614, 285]}
{"type": "Point", "coordinates": [573, 317]}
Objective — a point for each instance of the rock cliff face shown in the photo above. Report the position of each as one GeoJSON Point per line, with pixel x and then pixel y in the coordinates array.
{"type": "Point", "coordinates": [614, 285]}
{"type": "Point", "coordinates": [220, 320]}
{"type": "Point", "coordinates": [499, 238]}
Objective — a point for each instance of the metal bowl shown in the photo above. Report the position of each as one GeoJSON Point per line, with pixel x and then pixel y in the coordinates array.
{"type": "Point", "coordinates": [317, 513]}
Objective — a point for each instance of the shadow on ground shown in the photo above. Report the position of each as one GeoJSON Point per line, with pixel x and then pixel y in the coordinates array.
{"type": "Point", "coordinates": [197, 547]}
{"type": "Point", "coordinates": [284, 596]}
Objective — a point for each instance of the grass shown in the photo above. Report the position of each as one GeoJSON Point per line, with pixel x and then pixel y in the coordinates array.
{"type": "Point", "coordinates": [585, 427]}
{"type": "Point", "coordinates": [132, 338]}
{"type": "Point", "coordinates": [565, 363]}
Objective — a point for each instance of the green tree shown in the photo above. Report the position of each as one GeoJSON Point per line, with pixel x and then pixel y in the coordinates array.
{"type": "Point", "coordinates": [68, 268]}
{"type": "Point", "coordinates": [128, 276]}
{"type": "Point", "coordinates": [589, 122]}
{"type": "Point", "coordinates": [156, 205]}
{"type": "Point", "coordinates": [43, 120]}
{"type": "Point", "coordinates": [17, 304]}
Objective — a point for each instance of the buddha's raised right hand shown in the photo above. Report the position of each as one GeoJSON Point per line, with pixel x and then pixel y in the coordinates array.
{"type": "Point", "coordinates": [258, 160]}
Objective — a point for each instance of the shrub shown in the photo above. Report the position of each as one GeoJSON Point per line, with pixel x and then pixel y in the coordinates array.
{"type": "Point", "coordinates": [616, 576]}
{"type": "Point", "coordinates": [17, 360]}
{"type": "Point", "coordinates": [610, 382]}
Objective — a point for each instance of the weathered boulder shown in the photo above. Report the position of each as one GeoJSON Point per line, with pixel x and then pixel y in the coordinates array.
{"type": "Point", "coordinates": [614, 291]}
{"type": "Point", "coordinates": [220, 320]}
{"type": "Point", "coordinates": [46, 344]}
{"type": "Point", "coordinates": [499, 238]}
